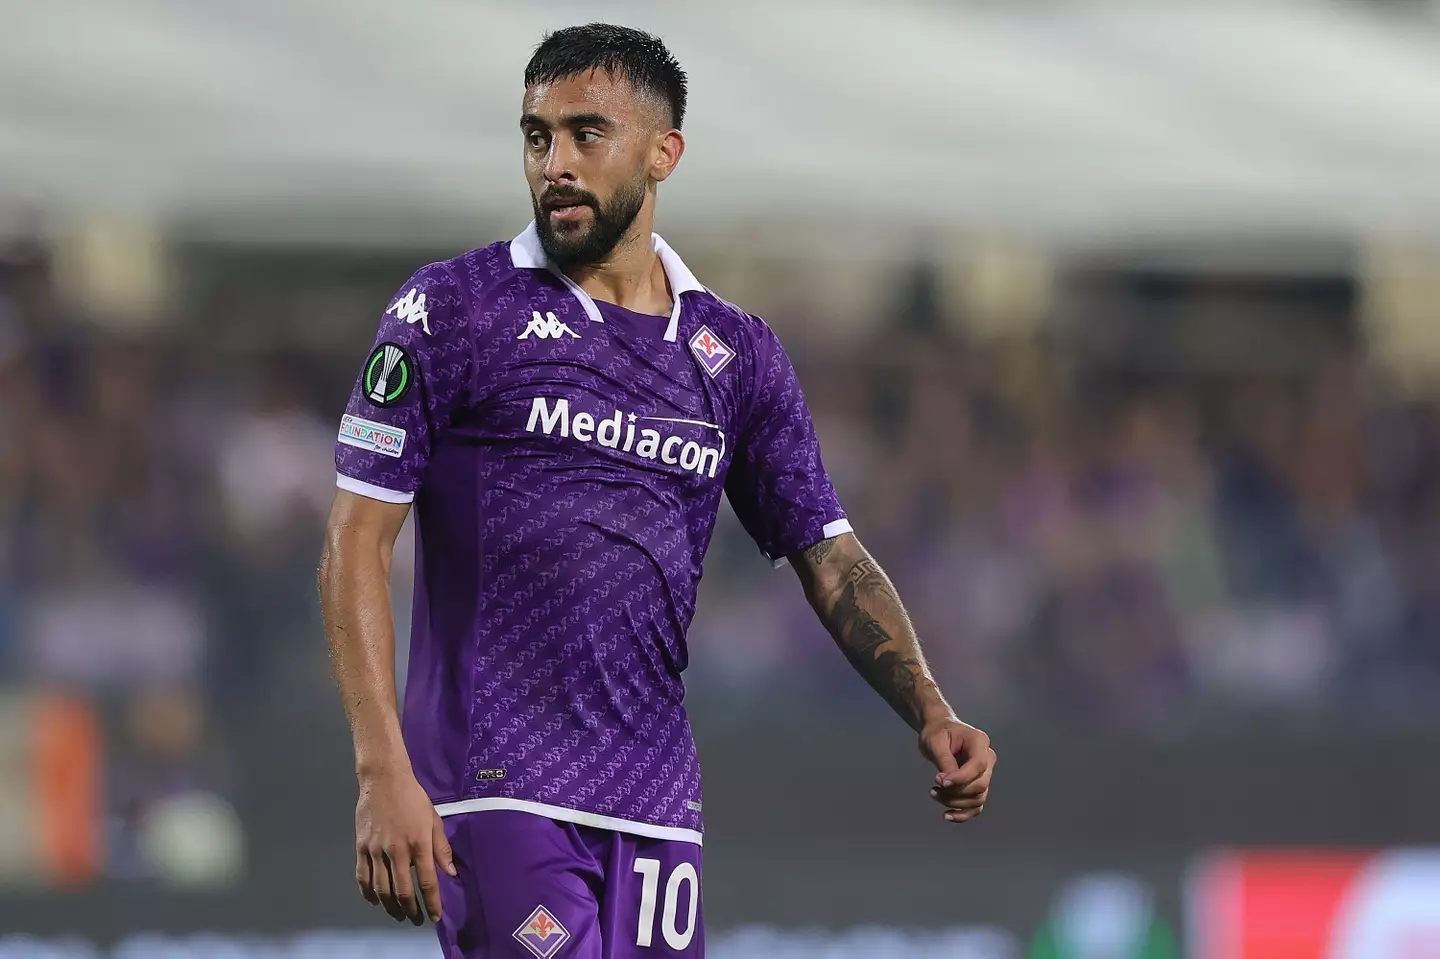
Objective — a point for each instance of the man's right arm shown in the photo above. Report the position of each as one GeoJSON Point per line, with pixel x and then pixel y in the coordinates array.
{"type": "Point", "coordinates": [419, 371]}
{"type": "Point", "coordinates": [359, 626]}
{"type": "Point", "coordinates": [395, 825]}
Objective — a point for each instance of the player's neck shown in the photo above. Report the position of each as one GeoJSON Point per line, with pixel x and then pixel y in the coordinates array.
{"type": "Point", "coordinates": [631, 277]}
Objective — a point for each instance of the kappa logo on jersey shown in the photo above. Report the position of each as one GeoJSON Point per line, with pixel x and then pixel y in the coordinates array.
{"type": "Point", "coordinates": [542, 933]}
{"type": "Point", "coordinates": [411, 309]}
{"type": "Point", "coordinates": [546, 328]}
{"type": "Point", "coordinates": [618, 432]}
{"type": "Point", "coordinates": [712, 354]}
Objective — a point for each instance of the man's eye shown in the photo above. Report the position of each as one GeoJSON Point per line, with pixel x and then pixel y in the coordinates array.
{"type": "Point", "coordinates": [536, 140]}
{"type": "Point", "coordinates": [587, 136]}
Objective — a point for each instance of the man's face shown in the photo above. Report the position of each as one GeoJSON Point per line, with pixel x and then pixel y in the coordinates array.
{"type": "Point", "coordinates": [591, 148]}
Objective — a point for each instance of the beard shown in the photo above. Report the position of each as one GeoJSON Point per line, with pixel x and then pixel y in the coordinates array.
{"type": "Point", "coordinates": [581, 244]}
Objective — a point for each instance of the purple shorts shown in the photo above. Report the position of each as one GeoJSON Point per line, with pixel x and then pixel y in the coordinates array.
{"type": "Point", "coordinates": [533, 888]}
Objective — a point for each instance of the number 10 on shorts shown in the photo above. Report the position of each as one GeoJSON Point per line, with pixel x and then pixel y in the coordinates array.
{"type": "Point", "coordinates": [682, 875]}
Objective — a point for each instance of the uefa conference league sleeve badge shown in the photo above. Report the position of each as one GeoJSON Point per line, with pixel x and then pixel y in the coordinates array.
{"type": "Point", "coordinates": [389, 372]}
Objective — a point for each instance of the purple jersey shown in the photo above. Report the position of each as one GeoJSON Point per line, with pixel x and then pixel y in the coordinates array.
{"type": "Point", "coordinates": [566, 462]}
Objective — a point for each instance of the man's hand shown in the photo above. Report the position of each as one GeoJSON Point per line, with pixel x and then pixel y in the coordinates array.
{"type": "Point", "coordinates": [965, 761]}
{"type": "Point", "coordinates": [859, 606]}
{"type": "Point", "coordinates": [396, 829]}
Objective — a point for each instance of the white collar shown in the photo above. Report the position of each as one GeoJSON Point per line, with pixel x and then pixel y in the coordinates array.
{"type": "Point", "coordinates": [527, 254]}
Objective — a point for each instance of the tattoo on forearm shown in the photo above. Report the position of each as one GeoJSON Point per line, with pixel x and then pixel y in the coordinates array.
{"type": "Point", "coordinates": [816, 554]}
{"type": "Point", "coordinates": [893, 667]}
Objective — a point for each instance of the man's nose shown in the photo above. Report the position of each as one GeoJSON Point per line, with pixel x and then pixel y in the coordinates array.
{"type": "Point", "coordinates": [560, 160]}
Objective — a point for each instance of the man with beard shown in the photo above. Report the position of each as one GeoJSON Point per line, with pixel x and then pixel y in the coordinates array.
{"type": "Point", "coordinates": [565, 411]}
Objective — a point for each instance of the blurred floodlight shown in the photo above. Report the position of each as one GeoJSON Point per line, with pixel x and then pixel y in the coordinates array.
{"type": "Point", "coordinates": [113, 270]}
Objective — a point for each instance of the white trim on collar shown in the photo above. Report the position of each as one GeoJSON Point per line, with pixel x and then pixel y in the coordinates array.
{"type": "Point", "coordinates": [527, 254]}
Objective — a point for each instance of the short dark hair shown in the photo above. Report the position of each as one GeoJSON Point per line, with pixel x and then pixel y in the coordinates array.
{"type": "Point", "coordinates": [639, 57]}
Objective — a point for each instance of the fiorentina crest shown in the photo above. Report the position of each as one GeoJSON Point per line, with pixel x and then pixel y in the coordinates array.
{"type": "Point", "coordinates": [712, 354]}
{"type": "Point", "coordinates": [542, 933]}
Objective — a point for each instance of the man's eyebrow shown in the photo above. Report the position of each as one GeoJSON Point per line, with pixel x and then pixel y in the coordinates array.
{"type": "Point", "coordinates": [588, 120]}
{"type": "Point", "coordinates": [573, 120]}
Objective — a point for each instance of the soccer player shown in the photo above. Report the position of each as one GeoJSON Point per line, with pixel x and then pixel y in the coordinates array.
{"type": "Point", "coordinates": [564, 411]}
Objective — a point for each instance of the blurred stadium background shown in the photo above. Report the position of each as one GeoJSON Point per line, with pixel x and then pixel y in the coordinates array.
{"type": "Point", "coordinates": [1121, 324]}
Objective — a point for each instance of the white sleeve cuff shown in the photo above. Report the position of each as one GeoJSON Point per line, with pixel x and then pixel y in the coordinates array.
{"type": "Point", "coordinates": [830, 531]}
{"type": "Point", "coordinates": [362, 488]}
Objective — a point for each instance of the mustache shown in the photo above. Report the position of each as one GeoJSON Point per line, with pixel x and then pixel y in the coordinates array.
{"type": "Point", "coordinates": [568, 197]}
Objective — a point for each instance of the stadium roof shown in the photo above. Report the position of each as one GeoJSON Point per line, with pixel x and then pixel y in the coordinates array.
{"type": "Point", "coordinates": [370, 118]}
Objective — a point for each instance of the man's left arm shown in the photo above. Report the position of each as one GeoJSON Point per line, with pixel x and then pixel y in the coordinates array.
{"type": "Point", "coordinates": [862, 612]}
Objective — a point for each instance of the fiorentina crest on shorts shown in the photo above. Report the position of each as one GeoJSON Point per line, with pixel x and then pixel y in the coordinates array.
{"type": "Point", "coordinates": [712, 354]}
{"type": "Point", "coordinates": [542, 933]}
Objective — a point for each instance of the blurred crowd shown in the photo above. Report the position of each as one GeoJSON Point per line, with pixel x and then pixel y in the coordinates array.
{"type": "Point", "coordinates": [1104, 547]}
{"type": "Point", "coordinates": [1126, 542]}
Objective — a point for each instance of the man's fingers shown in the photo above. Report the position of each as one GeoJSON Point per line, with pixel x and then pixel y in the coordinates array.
{"type": "Point", "coordinates": [401, 895]}
{"type": "Point", "coordinates": [977, 802]}
{"type": "Point", "coordinates": [444, 855]}
{"type": "Point", "coordinates": [951, 800]}
{"type": "Point", "coordinates": [945, 749]}
{"type": "Point", "coordinates": [385, 884]}
{"type": "Point", "coordinates": [398, 858]}
{"type": "Point", "coordinates": [961, 790]}
{"type": "Point", "coordinates": [963, 815]}
{"type": "Point", "coordinates": [364, 876]}
{"type": "Point", "coordinates": [969, 790]}
{"type": "Point", "coordinates": [943, 757]}
{"type": "Point", "coordinates": [981, 784]}
{"type": "Point", "coordinates": [428, 881]}
{"type": "Point", "coordinates": [976, 766]}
